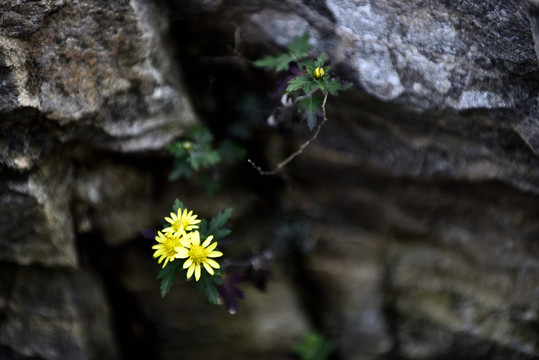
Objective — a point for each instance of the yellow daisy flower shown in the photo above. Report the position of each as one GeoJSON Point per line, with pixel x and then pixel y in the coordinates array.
{"type": "Point", "coordinates": [166, 247]}
{"type": "Point", "coordinates": [181, 222]}
{"type": "Point", "coordinates": [197, 254]}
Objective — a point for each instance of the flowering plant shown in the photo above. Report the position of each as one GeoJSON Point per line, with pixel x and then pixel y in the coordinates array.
{"type": "Point", "coordinates": [187, 245]}
{"type": "Point", "coordinates": [307, 78]}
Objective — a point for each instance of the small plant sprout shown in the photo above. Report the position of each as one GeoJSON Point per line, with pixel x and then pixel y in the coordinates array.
{"type": "Point", "coordinates": [310, 77]}
{"type": "Point", "coordinates": [199, 155]}
{"type": "Point", "coordinates": [314, 346]}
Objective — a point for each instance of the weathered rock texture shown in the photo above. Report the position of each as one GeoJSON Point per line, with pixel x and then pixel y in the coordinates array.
{"type": "Point", "coordinates": [86, 88]}
{"type": "Point", "coordinates": [409, 227]}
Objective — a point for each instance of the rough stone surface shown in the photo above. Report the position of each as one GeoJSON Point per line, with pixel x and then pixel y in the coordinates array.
{"type": "Point", "coordinates": [56, 314]}
{"type": "Point", "coordinates": [103, 68]}
{"type": "Point", "coordinates": [36, 225]}
{"type": "Point", "coordinates": [428, 168]}
{"type": "Point", "coordinates": [408, 230]}
{"type": "Point", "coordinates": [78, 77]}
{"type": "Point", "coordinates": [80, 82]}
{"type": "Point", "coordinates": [445, 273]}
{"type": "Point", "coordinates": [114, 200]}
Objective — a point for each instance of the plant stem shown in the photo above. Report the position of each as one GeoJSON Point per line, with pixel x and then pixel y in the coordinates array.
{"type": "Point", "coordinates": [296, 153]}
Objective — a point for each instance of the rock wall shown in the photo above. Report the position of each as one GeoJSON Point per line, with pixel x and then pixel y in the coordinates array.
{"type": "Point", "coordinates": [88, 90]}
{"type": "Point", "coordinates": [409, 227]}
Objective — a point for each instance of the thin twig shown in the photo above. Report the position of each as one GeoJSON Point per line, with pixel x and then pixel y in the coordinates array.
{"type": "Point", "coordinates": [292, 156]}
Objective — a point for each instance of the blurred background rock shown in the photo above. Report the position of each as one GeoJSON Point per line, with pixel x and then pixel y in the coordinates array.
{"type": "Point", "coordinates": [413, 217]}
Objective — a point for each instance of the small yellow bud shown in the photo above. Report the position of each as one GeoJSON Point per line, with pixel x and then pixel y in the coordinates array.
{"type": "Point", "coordinates": [187, 145]}
{"type": "Point", "coordinates": [318, 72]}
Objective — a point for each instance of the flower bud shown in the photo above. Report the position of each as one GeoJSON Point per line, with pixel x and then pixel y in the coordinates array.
{"type": "Point", "coordinates": [318, 72]}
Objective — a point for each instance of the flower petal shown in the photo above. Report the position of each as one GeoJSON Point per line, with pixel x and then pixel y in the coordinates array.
{"type": "Point", "coordinates": [168, 230]}
{"type": "Point", "coordinates": [208, 268]}
{"type": "Point", "coordinates": [191, 270]}
{"type": "Point", "coordinates": [211, 247]}
{"type": "Point", "coordinates": [215, 254]}
{"type": "Point", "coordinates": [186, 241]}
{"type": "Point", "coordinates": [181, 252]}
{"type": "Point", "coordinates": [195, 238]}
{"type": "Point", "coordinates": [213, 263]}
{"type": "Point", "coordinates": [207, 241]}
{"type": "Point", "coordinates": [187, 263]}
{"type": "Point", "coordinates": [197, 272]}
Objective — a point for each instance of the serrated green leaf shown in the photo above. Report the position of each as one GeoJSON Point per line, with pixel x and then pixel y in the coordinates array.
{"type": "Point", "coordinates": [311, 109]}
{"type": "Point", "coordinates": [177, 149]}
{"type": "Point", "coordinates": [181, 169]}
{"type": "Point", "coordinates": [203, 158]}
{"type": "Point", "coordinates": [300, 47]}
{"type": "Point", "coordinates": [207, 285]}
{"type": "Point", "coordinates": [333, 86]}
{"type": "Point", "coordinates": [200, 135]}
{"type": "Point", "coordinates": [320, 60]}
{"type": "Point", "coordinates": [297, 83]}
{"type": "Point", "coordinates": [326, 70]}
{"type": "Point", "coordinates": [177, 205]}
{"type": "Point", "coordinates": [278, 63]}
{"type": "Point", "coordinates": [217, 223]}
{"type": "Point", "coordinates": [168, 274]}
{"type": "Point", "coordinates": [221, 233]}
{"type": "Point", "coordinates": [203, 229]}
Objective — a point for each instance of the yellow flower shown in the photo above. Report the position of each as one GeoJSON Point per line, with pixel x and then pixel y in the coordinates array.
{"type": "Point", "coordinates": [318, 72]}
{"type": "Point", "coordinates": [182, 222]}
{"type": "Point", "coordinates": [166, 247]}
{"type": "Point", "coordinates": [197, 254]}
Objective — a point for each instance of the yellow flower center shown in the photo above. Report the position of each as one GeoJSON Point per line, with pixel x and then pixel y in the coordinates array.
{"type": "Point", "coordinates": [198, 254]}
{"type": "Point", "coordinates": [169, 245]}
{"type": "Point", "coordinates": [180, 223]}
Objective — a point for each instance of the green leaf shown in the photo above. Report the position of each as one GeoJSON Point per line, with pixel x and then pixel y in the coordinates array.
{"type": "Point", "coordinates": [181, 169]}
{"type": "Point", "coordinates": [314, 346]}
{"type": "Point", "coordinates": [177, 205]}
{"type": "Point", "coordinates": [215, 226]}
{"type": "Point", "coordinates": [207, 285]}
{"type": "Point", "coordinates": [168, 274]}
{"type": "Point", "coordinates": [320, 60]}
{"type": "Point", "coordinates": [311, 108]}
{"type": "Point", "coordinates": [217, 223]}
{"type": "Point", "coordinates": [204, 158]}
{"type": "Point", "coordinates": [334, 86]}
{"type": "Point", "coordinates": [200, 135]}
{"type": "Point", "coordinates": [326, 71]}
{"type": "Point", "coordinates": [177, 149]}
{"type": "Point", "coordinates": [300, 47]}
{"type": "Point", "coordinates": [203, 229]}
{"type": "Point", "coordinates": [299, 82]}
{"type": "Point", "coordinates": [278, 63]}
